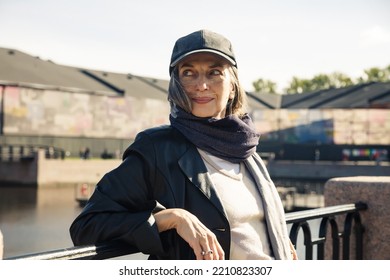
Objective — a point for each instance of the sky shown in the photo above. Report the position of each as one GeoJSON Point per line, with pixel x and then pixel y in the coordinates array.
{"type": "Point", "coordinates": [273, 40]}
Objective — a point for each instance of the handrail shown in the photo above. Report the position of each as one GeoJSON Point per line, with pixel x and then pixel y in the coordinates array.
{"type": "Point", "coordinates": [16, 152]}
{"type": "Point", "coordinates": [316, 213]}
{"type": "Point", "coordinates": [98, 252]}
{"type": "Point", "coordinates": [298, 219]}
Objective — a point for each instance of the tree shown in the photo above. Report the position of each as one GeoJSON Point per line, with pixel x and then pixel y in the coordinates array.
{"type": "Point", "coordinates": [324, 81]}
{"type": "Point", "coordinates": [339, 80]}
{"type": "Point", "coordinates": [375, 74]}
{"type": "Point", "coordinates": [264, 86]}
{"type": "Point", "coordinates": [298, 85]}
{"type": "Point", "coordinates": [319, 82]}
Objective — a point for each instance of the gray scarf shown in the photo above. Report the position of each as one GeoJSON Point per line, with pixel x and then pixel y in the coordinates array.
{"type": "Point", "coordinates": [231, 138]}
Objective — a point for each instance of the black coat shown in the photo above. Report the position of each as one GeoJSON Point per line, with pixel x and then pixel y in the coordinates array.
{"type": "Point", "coordinates": [160, 170]}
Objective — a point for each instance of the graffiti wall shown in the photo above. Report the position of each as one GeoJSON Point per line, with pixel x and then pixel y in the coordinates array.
{"type": "Point", "coordinates": [45, 112]}
{"type": "Point", "coordinates": [35, 112]}
{"type": "Point", "coordinates": [325, 126]}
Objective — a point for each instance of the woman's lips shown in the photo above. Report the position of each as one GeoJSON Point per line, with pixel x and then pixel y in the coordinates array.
{"type": "Point", "coordinates": [202, 100]}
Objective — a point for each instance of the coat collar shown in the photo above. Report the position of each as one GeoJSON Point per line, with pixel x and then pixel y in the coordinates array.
{"type": "Point", "coordinates": [194, 168]}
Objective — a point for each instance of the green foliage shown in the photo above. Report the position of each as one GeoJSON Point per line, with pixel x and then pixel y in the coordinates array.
{"type": "Point", "coordinates": [376, 74]}
{"type": "Point", "coordinates": [298, 85]}
{"type": "Point", "coordinates": [324, 81]}
{"type": "Point", "coordinates": [339, 80]}
{"type": "Point", "coordinates": [264, 86]}
{"type": "Point", "coordinates": [319, 82]}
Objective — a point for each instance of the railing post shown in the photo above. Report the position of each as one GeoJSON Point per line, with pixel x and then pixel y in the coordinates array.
{"type": "Point", "coordinates": [335, 238]}
{"type": "Point", "coordinates": [21, 152]}
{"type": "Point", "coordinates": [10, 153]}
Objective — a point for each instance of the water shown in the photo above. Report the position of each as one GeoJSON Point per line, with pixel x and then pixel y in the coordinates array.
{"type": "Point", "coordinates": [37, 220]}
{"type": "Point", "coordinates": [34, 220]}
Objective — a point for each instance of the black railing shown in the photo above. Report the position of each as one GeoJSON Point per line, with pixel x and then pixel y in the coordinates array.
{"type": "Point", "coordinates": [299, 220]}
{"type": "Point", "coordinates": [28, 152]}
{"type": "Point", "coordinates": [329, 216]}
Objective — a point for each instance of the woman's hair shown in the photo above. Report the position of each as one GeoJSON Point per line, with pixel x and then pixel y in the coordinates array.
{"type": "Point", "coordinates": [178, 97]}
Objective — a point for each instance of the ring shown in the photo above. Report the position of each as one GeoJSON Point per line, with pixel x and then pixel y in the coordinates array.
{"type": "Point", "coordinates": [206, 253]}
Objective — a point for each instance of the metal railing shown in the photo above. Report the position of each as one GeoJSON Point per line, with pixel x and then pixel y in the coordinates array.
{"type": "Point", "coordinates": [27, 152]}
{"type": "Point", "coordinates": [298, 220]}
{"type": "Point", "coordinates": [329, 216]}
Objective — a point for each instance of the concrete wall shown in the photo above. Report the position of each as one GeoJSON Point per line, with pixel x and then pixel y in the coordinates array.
{"type": "Point", "coordinates": [43, 172]}
{"type": "Point", "coordinates": [326, 126]}
{"type": "Point", "coordinates": [325, 170]}
{"type": "Point", "coordinates": [31, 111]}
{"type": "Point", "coordinates": [57, 172]}
{"type": "Point", "coordinates": [375, 192]}
{"type": "Point", "coordinates": [19, 172]}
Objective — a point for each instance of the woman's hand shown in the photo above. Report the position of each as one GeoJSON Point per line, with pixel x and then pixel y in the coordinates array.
{"type": "Point", "coordinates": [198, 236]}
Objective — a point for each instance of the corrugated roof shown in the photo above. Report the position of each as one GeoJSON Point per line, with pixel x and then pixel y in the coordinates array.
{"type": "Point", "coordinates": [292, 99]}
{"type": "Point", "coordinates": [325, 97]}
{"type": "Point", "coordinates": [131, 85]}
{"type": "Point", "coordinates": [264, 100]}
{"type": "Point", "coordinates": [362, 97]}
{"type": "Point", "coordinates": [19, 67]}
{"type": "Point", "coordinates": [16, 66]}
{"type": "Point", "coordinates": [357, 96]}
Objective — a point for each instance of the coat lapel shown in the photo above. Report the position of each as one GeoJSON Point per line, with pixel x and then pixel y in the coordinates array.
{"type": "Point", "coordinates": [194, 168]}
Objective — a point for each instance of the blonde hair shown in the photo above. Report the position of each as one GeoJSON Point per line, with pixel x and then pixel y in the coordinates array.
{"type": "Point", "coordinates": [178, 97]}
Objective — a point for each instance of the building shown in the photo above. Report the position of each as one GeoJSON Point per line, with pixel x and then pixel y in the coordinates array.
{"type": "Point", "coordinates": [333, 124]}
{"type": "Point", "coordinates": [44, 103]}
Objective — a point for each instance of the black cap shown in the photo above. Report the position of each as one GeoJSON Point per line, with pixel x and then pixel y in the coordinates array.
{"type": "Point", "coordinates": [202, 41]}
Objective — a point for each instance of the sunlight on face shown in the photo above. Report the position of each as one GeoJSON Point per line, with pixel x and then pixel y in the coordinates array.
{"type": "Point", "coordinates": [207, 82]}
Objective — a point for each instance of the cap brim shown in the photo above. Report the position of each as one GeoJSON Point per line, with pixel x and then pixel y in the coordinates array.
{"type": "Point", "coordinates": [229, 59]}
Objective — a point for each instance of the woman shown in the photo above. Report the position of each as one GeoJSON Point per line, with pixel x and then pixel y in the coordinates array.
{"type": "Point", "coordinates": [195, 189]}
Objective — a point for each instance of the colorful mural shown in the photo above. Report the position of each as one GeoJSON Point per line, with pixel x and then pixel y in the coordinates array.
{"type": "Point", "coordinates": [47, 112]}
{"type": "Point", "coordinates": [35, 112]}
{"type": "Point", "coordinates": [325, 126]}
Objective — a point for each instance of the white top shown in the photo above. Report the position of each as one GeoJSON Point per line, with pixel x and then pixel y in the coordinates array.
{"type": "Point", "coordinates": [243, 206]}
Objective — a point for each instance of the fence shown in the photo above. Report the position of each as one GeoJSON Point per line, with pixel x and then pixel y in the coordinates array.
{"type": "Point", "coordinates": [298, 220]}
{"type": "Point", "coordinates": [27, 152]}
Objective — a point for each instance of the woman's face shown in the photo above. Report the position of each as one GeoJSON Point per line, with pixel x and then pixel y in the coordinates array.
{"type": "Point", "coordinates": [207, 82]}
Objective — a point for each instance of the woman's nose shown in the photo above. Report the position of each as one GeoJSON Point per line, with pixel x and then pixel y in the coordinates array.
{"type": "Point", "coordinates": [202, 83]}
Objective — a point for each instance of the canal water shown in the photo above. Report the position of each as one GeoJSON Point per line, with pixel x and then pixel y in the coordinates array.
{"type": "Point", "coordinates": [37, 220]}
{"type": "Point", "coordinates": [34, 220]}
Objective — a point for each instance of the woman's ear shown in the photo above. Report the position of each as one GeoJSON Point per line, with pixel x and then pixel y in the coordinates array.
{"type": "Point", "coordinates": [232, 91]}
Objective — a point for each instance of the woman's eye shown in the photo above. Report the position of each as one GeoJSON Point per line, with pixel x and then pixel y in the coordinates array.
{"type": "Point", "coordinates": [215, 72]}
{"type": "Point", "coordinates": [187, 73]}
